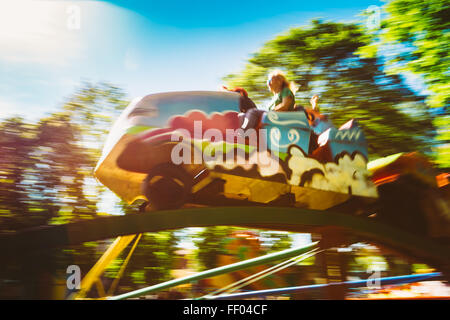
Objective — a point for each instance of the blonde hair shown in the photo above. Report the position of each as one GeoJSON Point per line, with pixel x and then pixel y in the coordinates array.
{"type": "Point", "coordinates": [285, 83]}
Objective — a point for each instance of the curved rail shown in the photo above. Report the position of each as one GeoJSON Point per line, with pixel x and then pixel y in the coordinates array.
{"type": "Point", "coordinates": [273, 218]}
{"type": "Point", "coordinates": [413, 278]}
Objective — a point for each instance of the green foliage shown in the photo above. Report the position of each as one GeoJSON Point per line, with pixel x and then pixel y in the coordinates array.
{"type": "Point", "coordinates": [46, 168]}
{"type": "Point", "coordinates": [276, 241]}
{"type": "Point", "coordinates": [324, 58]}
{"type": "Point", "coordinates": [46, 178]}
{"type": "Point", "coordinates": [423, 30]}
{"type": "Point", "coordinates": [42, 175]}
{"type": "Point", "coordinates": [210, 243]}
{"type": "Point", "coordinates": [443, 138]}
{"type": "Point", "coordinates": [93, 108]}
{"type": "Point", "coordinates": [16, 142]}
{"type": "Point", "coordinates": [151, 261]}
{"type": "Point", "coordinates": [415, 38]}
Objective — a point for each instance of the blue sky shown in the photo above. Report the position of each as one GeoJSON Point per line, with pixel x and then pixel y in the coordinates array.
{"type": "Point", "coordinates": [49, 47]}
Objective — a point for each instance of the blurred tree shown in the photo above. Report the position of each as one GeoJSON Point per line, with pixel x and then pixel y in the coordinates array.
{"type": "Point", "coordinates": [46, 168]}
{"type": "Point", "coordinates": [17, 140]}
{"type": "Point", "coordinates": [41, 183]}
{"type": "Point", "coordinates": [323, 58]}
{"type": "Point", "coordinates": [422, 28]}
{"type": "Point", "coordinates": [276, 241]}
{"type": "Point", "coordinates": [210, 243]}
{"type": "Point", "coordinates": [417, 35]}
{"type": "Point", "coordinates": [46, 178]}
{"type": "Point", "coordinates": [62, 164]}
{"type": "Point", "coordinates": [41, 173]}
{"type": "Point", "coordinates": [150, 263]}
{"type": "Point", "coordinates": [94, 107]}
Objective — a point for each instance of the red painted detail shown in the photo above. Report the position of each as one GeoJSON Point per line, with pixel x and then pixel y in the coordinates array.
{"type": "Point", "coordinates": [217, 121]}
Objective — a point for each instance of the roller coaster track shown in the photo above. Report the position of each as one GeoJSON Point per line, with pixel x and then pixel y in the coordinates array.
{"type": "Point", "coordinates": [354, 229]}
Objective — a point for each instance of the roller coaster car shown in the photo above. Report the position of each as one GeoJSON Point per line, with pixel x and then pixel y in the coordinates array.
{"type": "Point", "coordinates": [186, 147]}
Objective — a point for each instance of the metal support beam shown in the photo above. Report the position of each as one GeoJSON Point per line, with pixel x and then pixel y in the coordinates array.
{"type": "Point", "coordinates": [220, 270]}
{"type": "Point", "coordinates": [349, 284]}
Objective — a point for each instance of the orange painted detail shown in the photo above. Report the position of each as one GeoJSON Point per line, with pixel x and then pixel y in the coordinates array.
{"type": "Point", "coordinates": [443, 179]}
{"type": "Point", "coordinates": [387, 179]}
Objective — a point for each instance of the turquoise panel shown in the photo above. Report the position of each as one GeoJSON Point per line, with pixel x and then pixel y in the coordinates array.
{"type": "Point", "coordinates": [347, 140]}
{"type": "Point", "coordinates": [285, 129]}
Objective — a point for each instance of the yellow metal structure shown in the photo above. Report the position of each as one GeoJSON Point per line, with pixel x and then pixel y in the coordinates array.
{"type": "Point", "coordinates": [109, 256]}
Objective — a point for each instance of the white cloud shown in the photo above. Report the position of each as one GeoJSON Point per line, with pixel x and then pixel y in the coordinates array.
{"type": "Point", "coordinates": [39, 32]}
{"type": "Point", "coordinates": [7, 109]}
